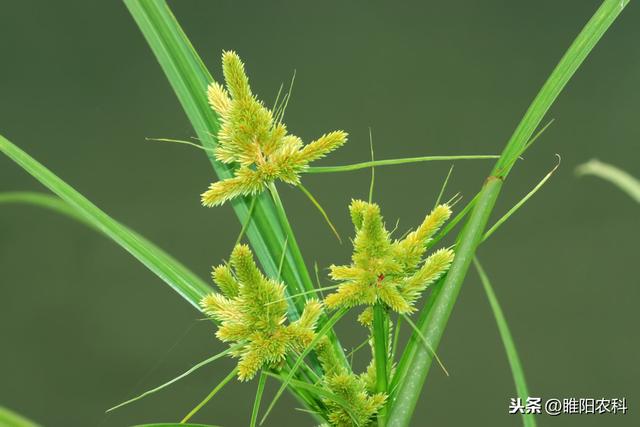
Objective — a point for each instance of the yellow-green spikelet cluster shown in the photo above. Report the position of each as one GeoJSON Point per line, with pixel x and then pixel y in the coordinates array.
{"type": "Point", "coordinates": [252, 138]}
{"type": "Point", "coordinates": [382, 270]}
{"type": "Point", "coordinates": [251, 310]}
{"type": "Point", "coordinates": [356, 390]}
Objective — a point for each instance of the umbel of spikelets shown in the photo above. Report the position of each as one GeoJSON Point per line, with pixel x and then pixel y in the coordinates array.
{"type": "Point", "coordinates": [254, 139]}
{"type": "Point", "coordinates": [381, 270]}
{"type": "Point", "coordinates": [251, 310]}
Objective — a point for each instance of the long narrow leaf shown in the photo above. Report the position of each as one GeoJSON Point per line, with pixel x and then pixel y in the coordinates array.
{"type": "Point", "coordinates": [168, 269]}
{"type": "Point", "coordinates": [9, 418]}
{"type": "Point", "coordinates": [509, 345]}
{"type": "Point", "coordinates": [414, 367]}
{"type": "Point", "coordinates": [391, 162]}
{"type": "Point", "coordinates": [621, 179]}
{"type": "Point", "coordinates": [179, 377]}
{"type": "Point", "coordinates": [256, 403]}
{"type": "Point", "coordinates": [209, 396]}
{"type": "Point", "coordinates": [42, 200]}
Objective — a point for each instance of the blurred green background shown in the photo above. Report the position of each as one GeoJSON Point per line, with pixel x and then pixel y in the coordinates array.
{"type": "Point", "coordinates": [85, 326]}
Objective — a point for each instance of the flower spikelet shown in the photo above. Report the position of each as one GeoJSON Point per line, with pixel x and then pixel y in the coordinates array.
{"type": "Point", "coordinates": [251, 309]}
{"type": "Point", "coordinates": [353, 389]}
{"type": "Point", "coordinates": [254, 140]}
{"type": "Point", "coordinates": [381, 270]}
{"type": "Point", "coordinates": [362, 405]}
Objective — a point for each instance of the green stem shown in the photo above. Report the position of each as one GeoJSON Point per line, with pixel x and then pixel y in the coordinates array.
{"type": "Point", "coordinates": [433, 322]}
{"type": "Point", "coordinates": [396, 338]}
{"type": "Point", "coordinates": [381, 354]}
{"type": "Point", "coordinates": [256, 403]}
{"type": "Point", "coordinates": [390, 162]}
{"type": "Point", "coordinates": [296, 255]}
{"type": "Point", "coordinates": [246, 224]}
{"type": "Point", "coordinates": [518, 205]}
{"type": "Point", "coordinates": [304, 277]}
{"type": "Point", "coordinates": [432, 326]}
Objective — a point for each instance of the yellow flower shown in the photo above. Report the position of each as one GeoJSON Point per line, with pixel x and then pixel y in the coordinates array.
{"type": "Point", "coordinates": [254, 139]}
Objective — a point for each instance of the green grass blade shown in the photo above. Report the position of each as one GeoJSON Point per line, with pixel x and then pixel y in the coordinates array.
{"type": "Point", "coordinates": [183, 281]}
{"type": "Point", "coordinates": [425, 343]}
{"type": "Point", "coordinates": [518, 205]}
{"type": "Point", "coordinates": [9, 418]}
{"type": "Point", "coordinates": [390, 162]}
{"type": "Point", "coordinates": [621, 179]}
{"type": "Point", "coordinates": [509, 345]}
{"type": "Point", "coordinates": [373, 168]}
{"type": "Point", "coordinates": [252, 206]}
{"type": "Point", "coordinates": [321, 210]}
{"type": "Point", "coordinates": [433, 322]}
{"type": "Point", "coordinates": [179, 377]}
{"type": "Point", "coordinates": [256, 403]}
{"type": "Point", "coordinates": [213, 392]}
{"type": "Point", "coordinates": [444, 186]}
{"type": "Point", "coordinates": [381, 355]}
{"type": "Point", "coordinates": [396, 339]}
{"type": "Point", "coordinates": [45, 201]}
{"type": "Point", "coordinates": [183, 142]}
{"type": "Point", "coordinates": [572, 59]}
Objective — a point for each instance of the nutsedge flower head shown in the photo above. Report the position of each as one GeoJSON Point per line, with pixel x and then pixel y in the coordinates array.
{"type": "Point", "coordinates": [382, 270]}
{"type": "Point", "coordinates": [252, 310]}
{"type": "Point", "coordinates": [357, 390]}
{"type": "Point", "coordinates": [255, 140]}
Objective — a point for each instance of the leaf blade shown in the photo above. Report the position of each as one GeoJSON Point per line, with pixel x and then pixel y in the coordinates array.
{"type": "Point", "coordinates": [621, 179]}
{"type": "Point", "coordinates": [183, 281]}
{"type": "Point", "coordinates": [433, 322]}
{"type": "Point", "coordinates": [517, 370]}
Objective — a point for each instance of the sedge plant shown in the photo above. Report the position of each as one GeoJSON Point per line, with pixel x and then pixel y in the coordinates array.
{"type": "Point", "coordinates": [276, 323]}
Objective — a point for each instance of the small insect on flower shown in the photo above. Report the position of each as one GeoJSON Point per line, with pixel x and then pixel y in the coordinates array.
{"type": "Point", "coordinates": [255, 140]}
{"type": "Point", "coordinates": [388, 271]}
{"type": "Point", "coordinates": [252, 309]}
